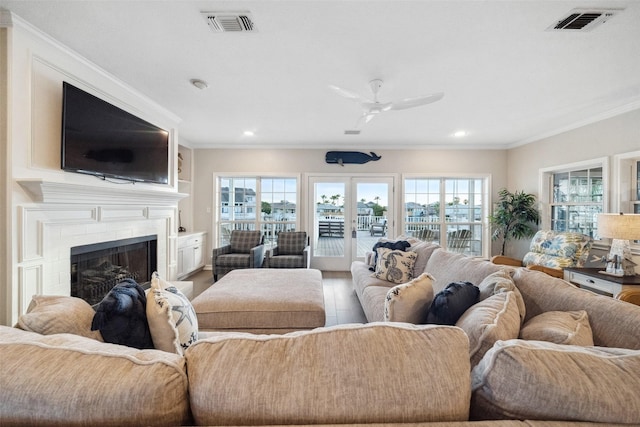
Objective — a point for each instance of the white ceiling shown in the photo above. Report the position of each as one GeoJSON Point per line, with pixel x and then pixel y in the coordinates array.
{"type": "Point", "coordinates": [507, 81]}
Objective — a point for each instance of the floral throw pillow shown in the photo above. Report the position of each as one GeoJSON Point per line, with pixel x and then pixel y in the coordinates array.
{"type": "Point", "coordinates": [395, 266]}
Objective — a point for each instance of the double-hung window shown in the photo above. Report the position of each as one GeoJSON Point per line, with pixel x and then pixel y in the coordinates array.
{"type": "Point", "coordinates": [575, 195]}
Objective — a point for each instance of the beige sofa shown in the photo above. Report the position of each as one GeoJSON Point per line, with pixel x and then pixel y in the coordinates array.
{"type": "Point", "coordinates": [382, 372]}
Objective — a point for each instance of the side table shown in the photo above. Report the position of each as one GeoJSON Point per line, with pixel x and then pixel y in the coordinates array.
{"type": "Point", "coordinates": [626, 288]}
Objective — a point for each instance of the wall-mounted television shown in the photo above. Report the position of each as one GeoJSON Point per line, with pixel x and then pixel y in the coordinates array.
{"type": "Point", "coordinates": [101, 139]}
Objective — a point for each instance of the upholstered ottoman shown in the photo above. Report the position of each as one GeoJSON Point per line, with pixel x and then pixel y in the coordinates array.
{"type": "Point", "coordinates": [263, 301]}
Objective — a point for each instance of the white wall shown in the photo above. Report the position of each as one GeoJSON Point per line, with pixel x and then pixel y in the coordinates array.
{"type": "Point", "coordinates": [210, 161]}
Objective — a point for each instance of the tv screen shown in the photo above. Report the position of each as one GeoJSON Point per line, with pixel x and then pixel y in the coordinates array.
{"type": "Point", "coordinates": [101, 139]}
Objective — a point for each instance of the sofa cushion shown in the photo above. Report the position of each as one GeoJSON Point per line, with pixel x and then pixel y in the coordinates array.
{"type": "Point", "coordinates": [449, 304]}
{"type": "Point", "coordinates": [410, 301]}
{"type": "Point", "coordinates": [539, 380]}
{"type": "Point", "coordinates": [495, 318]}
{"type": "Point", "coordinates": [66, 379]}
{"type": "Point", "coordinates": [371, 373]}
{"type": "Point", "coordinates": [498, 282]}
{"type": "Point", "coordinates": [172, 319]}
{"type": "Point", "coordinates": [613, 323]}
{"type": "Point", "coordinates": [560, 327]}
{"type": "Point", "coordinates": [56, 314]}
{"type": "Point", "coordinates": [447, 267]}
{"type": "Point", "coordinates": [394, 266]}
{"type": "Point", "coordinates": [423, 251]}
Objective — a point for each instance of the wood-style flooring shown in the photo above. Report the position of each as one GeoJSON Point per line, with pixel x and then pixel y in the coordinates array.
{"type": "Point", "coordinates": [340, 301]}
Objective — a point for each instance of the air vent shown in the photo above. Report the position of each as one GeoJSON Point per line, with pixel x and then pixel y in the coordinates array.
{"type": "Point", "coordinates": [352, 132]}
{"type": "Point", "coordinates": [222, 22]}
{"type": "Point", "coordinates": [583, 19]}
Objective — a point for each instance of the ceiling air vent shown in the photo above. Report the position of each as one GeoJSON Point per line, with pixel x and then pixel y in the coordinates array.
{"type": "Point", "coordinates": [583, 19]}
{"type": "Point", "coordinates": [222, 22]}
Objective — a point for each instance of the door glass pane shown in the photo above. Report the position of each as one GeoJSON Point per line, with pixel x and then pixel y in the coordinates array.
{"type": "Point", "coordinates": [371, 215]}
{"type": "Point", "coordinates": [329, 226]}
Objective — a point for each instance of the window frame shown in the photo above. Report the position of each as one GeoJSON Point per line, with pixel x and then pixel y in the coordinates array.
{"type": "Point", "coordinates": [545, 188]}
{"type": "Point", "coordinates": [258, 223]}
{"type": "Point", "coordinates": [442, 223]}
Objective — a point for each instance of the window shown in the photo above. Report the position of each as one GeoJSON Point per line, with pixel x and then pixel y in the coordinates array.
{"type": "Point", "coordinates": [573, 195]}
{"type": "Point", "coordinates": [448, 211]}
{"type": "Point", "coordinates": [577, 200]}
{"type": "Point", "coordinates": [277, 209]}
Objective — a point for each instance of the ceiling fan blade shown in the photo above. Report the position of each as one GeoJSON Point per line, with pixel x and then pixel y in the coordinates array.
{"type": "Point", "coordinates": [348, 94]}
{"type": "Point", "coordinates": [416, 102]}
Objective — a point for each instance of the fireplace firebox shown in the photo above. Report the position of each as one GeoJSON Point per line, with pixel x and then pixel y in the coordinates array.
{"type": "Point", "coordinates": [97, 268]}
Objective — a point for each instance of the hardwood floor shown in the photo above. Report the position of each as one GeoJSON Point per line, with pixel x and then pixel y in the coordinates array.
{"type": "Point", "coordinates": [340, 301]}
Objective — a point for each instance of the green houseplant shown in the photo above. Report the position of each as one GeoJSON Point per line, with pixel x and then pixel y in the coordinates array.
{"type": "Point", "coordinates": [514, 216]}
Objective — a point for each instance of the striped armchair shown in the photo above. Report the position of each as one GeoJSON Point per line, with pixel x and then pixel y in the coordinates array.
{"type": "Point", "coordinates": [245, 250]}
{"type": "Point", "coordinates": [292, 251]}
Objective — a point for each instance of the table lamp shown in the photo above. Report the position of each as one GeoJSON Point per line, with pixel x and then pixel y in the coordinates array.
{"type": "Point", "coordinates": [620, 228]}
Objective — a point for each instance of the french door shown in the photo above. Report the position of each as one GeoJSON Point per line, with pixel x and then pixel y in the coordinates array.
{"type": "Point", "coordinates": [347, 215]}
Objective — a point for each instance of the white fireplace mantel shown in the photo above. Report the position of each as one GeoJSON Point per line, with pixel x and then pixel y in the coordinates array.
{"type": "Point", "coordinates": [42, 191]}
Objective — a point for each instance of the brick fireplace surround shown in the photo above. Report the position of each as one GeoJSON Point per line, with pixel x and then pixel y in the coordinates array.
{"type": "Point", "coordinates": [66, 215]}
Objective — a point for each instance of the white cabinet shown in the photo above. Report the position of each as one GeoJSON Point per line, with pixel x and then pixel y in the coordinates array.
{"type": "Point", "coordinates": [190, 253]}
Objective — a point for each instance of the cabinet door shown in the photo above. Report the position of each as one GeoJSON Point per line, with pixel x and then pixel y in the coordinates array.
{"type": "Point", "coordinates": [198, 260]}
{"type": "Point", "coordinates": [181, 266]}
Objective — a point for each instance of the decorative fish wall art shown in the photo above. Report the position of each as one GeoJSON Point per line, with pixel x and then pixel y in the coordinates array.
{"type": "Point", "coordinates": [356, 157]}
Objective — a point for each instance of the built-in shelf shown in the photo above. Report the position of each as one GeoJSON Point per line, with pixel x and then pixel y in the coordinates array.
{"type": "Point", "coordinates": [42, 191]}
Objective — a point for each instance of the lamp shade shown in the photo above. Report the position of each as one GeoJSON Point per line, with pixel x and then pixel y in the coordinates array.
{"type": "Point", "coordinates": [619, 226]}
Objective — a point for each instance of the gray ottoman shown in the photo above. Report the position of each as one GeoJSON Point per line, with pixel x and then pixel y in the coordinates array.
{"type": "Point", "coordinates": [263, 301]}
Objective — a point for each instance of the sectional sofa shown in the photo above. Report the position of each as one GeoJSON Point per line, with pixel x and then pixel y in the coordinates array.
{"type": "Point", "coordinates": [59, 372]}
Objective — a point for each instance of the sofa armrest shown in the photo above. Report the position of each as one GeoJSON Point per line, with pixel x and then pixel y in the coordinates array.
{"type": "Point", "coordinates": [220, 251]}
{"type": "Point", "coordinates": [306, 253]}
{"type": "Point", "coordinates": [505, 260]}
{"type": "Point", "coordinates": [629, 295]}
{"type": "Point", "coordinates": [555, 272]}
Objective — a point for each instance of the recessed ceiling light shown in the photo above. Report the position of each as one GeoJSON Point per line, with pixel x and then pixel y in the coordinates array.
{"type": "Point", "coordinates": [200, 84]}
{"type": "Point", "coordinates": [460, 134]}
{"type": "Point", "coordinates": [248, 133]}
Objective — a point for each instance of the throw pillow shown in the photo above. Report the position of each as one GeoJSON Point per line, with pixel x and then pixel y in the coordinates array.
{"type": "Point", "coordinates": [394, 266]}
{"type": "Point", "coordinates": [396, 245]}
{"type": "Point", "coordinates": [172, 319]}
{"type": "Point", "coordinates": [560, 327]}
{"type": "Point", "coordinates": [498, 282]}
{"type": "Point", "coordinates": [449, 304]}
{"type": "Point", "coordinates": [495, 318]}
{"type": "Point", "coordinates": [409, 302]}
{"type": "Point", "coordinates": [121, 316]}
{"type": "Point", "coordinates": [55, 314]}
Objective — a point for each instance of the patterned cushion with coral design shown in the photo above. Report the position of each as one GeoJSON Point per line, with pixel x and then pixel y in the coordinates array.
{"type": "Point", "coordinates": [395, 266]}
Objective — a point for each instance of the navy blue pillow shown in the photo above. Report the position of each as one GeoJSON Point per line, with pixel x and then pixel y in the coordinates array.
{"type": "Point", "coordinates": [121, 317]}
{"type": "Point", "coordinates": [451, 302]}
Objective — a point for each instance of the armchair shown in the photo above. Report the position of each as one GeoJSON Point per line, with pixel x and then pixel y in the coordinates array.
{"type": "Point", "coordinates": [292, 251]}
{"type": "Point", "coordinates": [245, 250]}
{"type": "Point", "coordinates": [552, 251]}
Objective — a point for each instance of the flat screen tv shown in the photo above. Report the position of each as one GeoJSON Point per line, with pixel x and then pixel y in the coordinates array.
{"type": "Point", "coordinates": [101, 139]}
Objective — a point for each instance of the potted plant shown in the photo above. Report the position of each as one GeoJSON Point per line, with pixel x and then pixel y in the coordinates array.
{"type": "Point", "coordinates": [514, 216]}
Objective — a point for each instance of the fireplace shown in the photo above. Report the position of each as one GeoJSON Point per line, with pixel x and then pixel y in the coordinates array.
{"type": "Point", "coordinates": [96, 268]}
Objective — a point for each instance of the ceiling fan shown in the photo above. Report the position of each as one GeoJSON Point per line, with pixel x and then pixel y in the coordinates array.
{"type": "Point", "coordinates": [375, 107]}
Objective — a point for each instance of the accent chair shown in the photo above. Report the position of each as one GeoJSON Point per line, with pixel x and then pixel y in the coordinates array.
{"type": "Point", "coordinates": [245, 250]}
{"type": "Point", "coordinates": [292, 251]}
